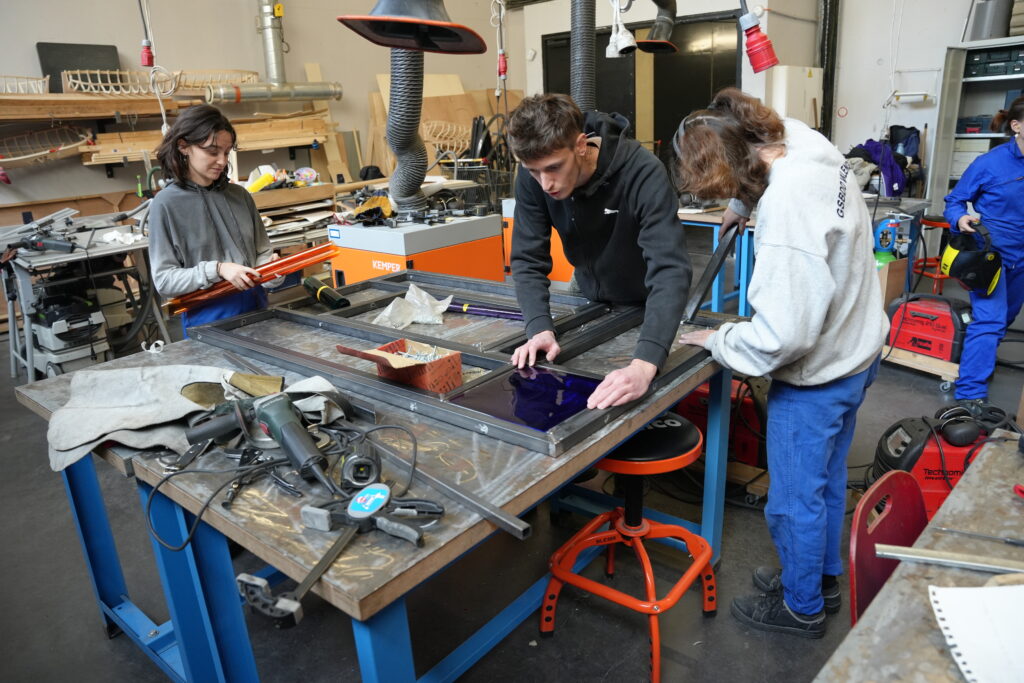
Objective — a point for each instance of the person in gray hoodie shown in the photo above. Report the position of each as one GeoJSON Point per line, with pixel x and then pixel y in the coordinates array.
{"type": "Point", "coordinates": [613, 205]}
{"type": "Point", "coordinates": [817, 331]}
{"type": "Point", "coordinates": [202, 228]}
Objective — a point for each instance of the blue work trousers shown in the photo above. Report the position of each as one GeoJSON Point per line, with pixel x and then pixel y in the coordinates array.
{"type": "Point", "coordinates": [253, 299]}
{"type": "Point", "coordinates": [992, 315]}
{"type": "Point", "coordinates": [809, 434]}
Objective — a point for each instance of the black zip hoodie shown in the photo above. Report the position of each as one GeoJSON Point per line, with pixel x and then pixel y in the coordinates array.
{"type": "Point", "coordinates": [620, 231]}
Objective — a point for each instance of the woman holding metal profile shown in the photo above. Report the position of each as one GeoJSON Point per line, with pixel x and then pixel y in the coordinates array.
{"type": "Point", "coordinates": [994, 185]}
{"type": "Point", "coordinates": [202, 228]}
{"type": "Point", "coordinates": [817, 330]}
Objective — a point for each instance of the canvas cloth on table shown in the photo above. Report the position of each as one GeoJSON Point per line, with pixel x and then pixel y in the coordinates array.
{"type": "Point", "coordinates": [144, 407]}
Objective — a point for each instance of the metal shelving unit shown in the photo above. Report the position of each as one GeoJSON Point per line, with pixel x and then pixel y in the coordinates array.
{"type": "Point", "coordinates": [965, 96]}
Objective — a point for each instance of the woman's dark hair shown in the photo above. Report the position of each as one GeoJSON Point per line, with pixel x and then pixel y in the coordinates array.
{"type": "Point", "coordinates": [194, 126]}
{"type": "Point", "coordinates": [543, 124]}
{"type": "Point", "coordinates": [1001, 121]}
{"type": "Point", "coordinates": [716, 148]}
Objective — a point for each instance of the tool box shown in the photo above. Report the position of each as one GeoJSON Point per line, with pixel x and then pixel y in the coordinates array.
{"type": "Point", "coordinates": [929, 325]}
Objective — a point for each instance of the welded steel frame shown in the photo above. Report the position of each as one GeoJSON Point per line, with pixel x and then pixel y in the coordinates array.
{"type": "Point", "coordinates": [481, 292]}
{"type": "Point", "coordinates": [438, 406]}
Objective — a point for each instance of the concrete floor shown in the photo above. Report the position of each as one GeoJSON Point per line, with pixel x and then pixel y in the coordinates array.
{"type": "Point", "coordinates": [51, 630]}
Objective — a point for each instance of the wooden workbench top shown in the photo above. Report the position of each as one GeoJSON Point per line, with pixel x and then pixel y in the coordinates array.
{"type": "Point", "coordinates": [898, 638]}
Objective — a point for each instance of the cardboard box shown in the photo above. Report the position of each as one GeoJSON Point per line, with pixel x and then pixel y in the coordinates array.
{"type": "Point", "coordinates": [893, 278]}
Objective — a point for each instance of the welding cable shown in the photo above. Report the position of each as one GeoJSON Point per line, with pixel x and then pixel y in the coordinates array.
{"type": "Point", "coordinates": [241, 472]}
{"type": "Point", "coordinates": [942, 455]}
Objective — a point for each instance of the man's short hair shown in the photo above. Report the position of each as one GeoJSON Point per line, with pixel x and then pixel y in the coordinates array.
{"type": "Point", "coordinates": [543, 124]}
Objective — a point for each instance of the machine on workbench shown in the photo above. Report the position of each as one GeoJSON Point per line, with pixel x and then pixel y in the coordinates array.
{"type": "Point", "coordinates": [69, 279]}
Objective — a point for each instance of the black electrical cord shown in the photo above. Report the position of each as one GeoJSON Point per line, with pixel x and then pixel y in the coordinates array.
{"type": "Point", "coordinates": [942, 454]}
{"type": "Point", "coordinates": [240, 471]}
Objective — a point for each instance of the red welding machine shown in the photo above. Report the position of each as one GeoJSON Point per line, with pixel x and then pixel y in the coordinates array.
{"type": "Point", "coordinates": [929, 325]}
{"type": "Point", "coordinates": [746, 426]}
{"type": "Point", "coordinates": [917, 445]}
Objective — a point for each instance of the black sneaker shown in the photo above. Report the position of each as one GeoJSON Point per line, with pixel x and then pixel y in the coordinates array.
{"type": "Point", "coordinates": [769, 612]}
{"type": "Point", "coordinates": [770, 579]}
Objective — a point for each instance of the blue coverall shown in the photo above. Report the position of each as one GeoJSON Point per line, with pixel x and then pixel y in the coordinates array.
{"type": "Point", "coordinates": [994, 184]}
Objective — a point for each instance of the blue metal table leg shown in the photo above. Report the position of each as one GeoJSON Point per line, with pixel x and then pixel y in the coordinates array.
{"type": "Point", "coordinates": [744, 266]}
{"type": "Point", "coordinates": [93, 525]}
{"type": "Point", "coordinates": [384, 646]}
{"type": "Point", "coordinates": [213, 559]}
{"type": "Point", "coordinates": [717, 285]}
{"type": "Point", "coordinates": [184, 591]}
{"type": "Point", "coordinates": [716, 459]}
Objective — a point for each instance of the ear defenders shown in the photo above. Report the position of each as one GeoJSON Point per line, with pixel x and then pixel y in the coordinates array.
{"type": "Point", "coordinates": [957, 426]}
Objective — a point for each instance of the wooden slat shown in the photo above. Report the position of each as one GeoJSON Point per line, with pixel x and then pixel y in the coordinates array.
{"type": "Point", "coordinates": [269, 199]}
{"type": "Point", "coordinates": [333, 148]}
{"type": "Point", "coordinates": [72, 106]}
{"type": "Point", "coordinates": [944, 369]}
{"type": "Point", "coordinates": [117, 147]}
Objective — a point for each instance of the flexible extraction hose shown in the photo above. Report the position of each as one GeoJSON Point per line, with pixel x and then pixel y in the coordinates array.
{"type": "Point", "coordinates": [403, 131]}
{"type": "Point", "coordinates": [581, 54]}
{"type": "Point", "coordinates": [663, 24]}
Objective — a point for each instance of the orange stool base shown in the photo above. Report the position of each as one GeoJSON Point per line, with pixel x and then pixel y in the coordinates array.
{"type": "Point", "coordinates": [618, 532]}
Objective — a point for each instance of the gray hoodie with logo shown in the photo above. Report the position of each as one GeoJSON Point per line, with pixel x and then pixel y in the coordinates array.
{"type": "Point", "coordinates": [817, 302]}
{"type": "Point", "coordinates": [192, 228]}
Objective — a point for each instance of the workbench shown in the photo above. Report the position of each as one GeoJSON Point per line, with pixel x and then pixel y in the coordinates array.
{"type": "Point", "coordinates": [897, 637]}
{"type": "Point", "coordinates": [206, 637]}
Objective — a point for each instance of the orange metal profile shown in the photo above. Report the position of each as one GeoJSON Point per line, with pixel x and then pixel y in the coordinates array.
{"type": "Point", "coordinates": [268, 271]}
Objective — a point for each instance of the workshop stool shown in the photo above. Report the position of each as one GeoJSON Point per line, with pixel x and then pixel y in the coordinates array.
{"type": "Point", "coordinates": [931, 267]}
{"type": "Point", "coordinates": [669, 443]}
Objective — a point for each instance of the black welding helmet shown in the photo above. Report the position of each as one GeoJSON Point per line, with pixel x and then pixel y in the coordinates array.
{"type": "Point", "coordinates": [976, 269]}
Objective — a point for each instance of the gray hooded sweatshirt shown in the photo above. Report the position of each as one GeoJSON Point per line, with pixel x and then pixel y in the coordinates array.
{"type": "Point", "coordinates": [817, 301]}
{"type": "Point", "coordinates": [192, 228]}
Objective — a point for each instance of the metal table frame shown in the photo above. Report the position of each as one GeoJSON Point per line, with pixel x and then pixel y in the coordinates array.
{"type": "Point", "coordinates": [206, 638]}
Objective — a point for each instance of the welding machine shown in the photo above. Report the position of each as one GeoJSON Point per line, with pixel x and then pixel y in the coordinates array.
{"type": "Point", "coordinates": [746, 425]}
{"type": "Point", "coordinates": [930, 325]}
{"type": "Point", "coordinates": [936, 451]}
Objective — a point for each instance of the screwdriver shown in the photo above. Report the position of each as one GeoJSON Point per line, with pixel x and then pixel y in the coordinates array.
{"type": "Point", "coordinates": [1003, 539]}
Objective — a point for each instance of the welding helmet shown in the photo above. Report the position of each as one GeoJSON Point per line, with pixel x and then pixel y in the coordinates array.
{"type": "Point", "coordinates": [976, 269]}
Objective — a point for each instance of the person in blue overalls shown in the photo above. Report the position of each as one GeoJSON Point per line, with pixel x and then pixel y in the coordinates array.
{"type": "Point", "coordinates": [817, 330]}
{"type": "Point", "coordinates": [202, 228]}
{"type": "Point", "coordinates": [994, 185]}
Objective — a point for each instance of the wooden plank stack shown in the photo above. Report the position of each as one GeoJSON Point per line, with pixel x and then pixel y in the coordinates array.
{"type": "Point", "coordinates": [112, 148]}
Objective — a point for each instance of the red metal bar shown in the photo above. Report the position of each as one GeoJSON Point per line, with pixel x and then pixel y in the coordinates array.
{"type": "Point", "coordinates": [267, 271]}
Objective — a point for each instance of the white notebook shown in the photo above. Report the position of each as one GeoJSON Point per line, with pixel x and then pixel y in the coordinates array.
{"type": "Point", "coordinates": [984, 629]}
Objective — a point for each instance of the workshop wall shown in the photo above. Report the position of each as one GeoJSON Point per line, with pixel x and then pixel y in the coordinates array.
{"type": "Point", "coordinates": [793, 40]}
{"type": "Point", "coordinates": [887, 45]}
{"type": "Point", "coordinates": [198, 34]}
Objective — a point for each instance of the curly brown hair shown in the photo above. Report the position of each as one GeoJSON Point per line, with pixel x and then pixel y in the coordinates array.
{"type": "Point", "coordinates": [543, 124]}
{"type": "Point", "coordinates": [717, 148]}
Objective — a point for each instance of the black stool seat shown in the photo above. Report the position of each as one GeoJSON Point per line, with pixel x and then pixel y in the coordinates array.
{"type": "Point", "coordinates": [666, 437]}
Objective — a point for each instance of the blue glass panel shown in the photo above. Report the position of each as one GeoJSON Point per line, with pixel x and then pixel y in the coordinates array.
{"type": "Point", "coordinates": [533, 397]}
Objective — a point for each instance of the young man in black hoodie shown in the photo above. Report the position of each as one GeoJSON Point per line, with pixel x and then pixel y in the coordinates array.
{"type": "Point", "coordinates": [613, 205]}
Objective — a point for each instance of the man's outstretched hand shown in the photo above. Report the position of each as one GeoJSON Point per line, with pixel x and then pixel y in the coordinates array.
{"type": "Point", "coordinates": [526, 355]}
{"type": "Point", "coordinates": [623, 385]}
